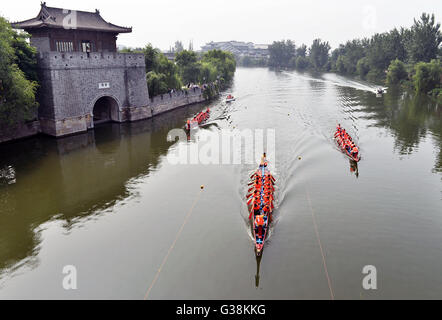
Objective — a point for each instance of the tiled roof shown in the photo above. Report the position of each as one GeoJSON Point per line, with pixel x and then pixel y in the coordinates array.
{"type": "Point", "coordinates": [59, 18]}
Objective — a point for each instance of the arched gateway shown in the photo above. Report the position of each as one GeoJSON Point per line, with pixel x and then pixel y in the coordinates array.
{"type": "Point", "coordinates": [105, 109]}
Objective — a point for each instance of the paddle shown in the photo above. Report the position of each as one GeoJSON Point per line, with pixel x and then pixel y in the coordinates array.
{"type": "Point", "coordinates": [254, 174]}
{"type": "Point", "coordinates": [250, 215]}
{"type": "Point", "coordinates": [250, 195]}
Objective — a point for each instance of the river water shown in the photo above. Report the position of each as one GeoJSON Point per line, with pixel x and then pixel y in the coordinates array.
{"type": "Point", "coordinates": [111, 202]}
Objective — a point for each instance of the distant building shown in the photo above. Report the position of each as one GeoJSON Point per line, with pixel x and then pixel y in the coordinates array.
{"type": "Point", "coordinates": [239, 49]}
{"type": "Point", "coordinates": [170, 55]}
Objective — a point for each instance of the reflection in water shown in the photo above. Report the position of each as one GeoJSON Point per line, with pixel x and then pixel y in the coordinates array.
{"type": "Point", "coordinates": [354, 168]}
{"type": "Point", "coordinates": [7, 175]}
{"type": "Point", "coordinates": [74, 178]}
{"type": "Point", "coordinates": [258, 263]}
{"type": "Point", "coordinates": [409, 118]}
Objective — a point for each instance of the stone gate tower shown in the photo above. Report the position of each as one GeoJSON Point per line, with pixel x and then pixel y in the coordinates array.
{"type": "Point", "coordinates": [84, 81]}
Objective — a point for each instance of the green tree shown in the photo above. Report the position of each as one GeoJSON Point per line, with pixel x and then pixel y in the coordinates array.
{"type": "Point", "coordinates": [156, 83]}
{"type": "Point", "coordinates": [223, 61]}
{"type": "Point", "coordinates": [396, 72]}
{"type": "Point", "coordinates": [208, 73]}
{"type": "Point", "coordinates": [425, 39]}
{"type": "Point", "coordinates": [17, 94]}
{"type": "Point", "coordinates": [302, 63]}
{"type": "Point", "coordinates": [25, 56]}
{"type": "Point", "coordinates": [188, 66]}
{"type": "Point", "coordinates": [341, 64]}
{"type": "Point", "coordinates": [318, 54]}
{"type": "Point", "coordinates": [150, 55]}
{"type": "Point", "coordinates": [301, 51]}
{"type": "Point", "coordinates": [281, 53]}
{"type": "Point", "coordinates": [378, 56]}
{"type": "Point", "coordinates": [345, 58]}
{"type": "Point", "coordinates": [161, 73]}
{"type": "Point", "coordinates": [427, 76]}
{"type": "Point", "coordinates": [362, 67]}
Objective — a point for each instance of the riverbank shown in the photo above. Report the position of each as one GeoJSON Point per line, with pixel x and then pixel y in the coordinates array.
{"type": "Point", "coordinates": [20, 131]}
{"type": "Point", "coordinates": [157, 105]}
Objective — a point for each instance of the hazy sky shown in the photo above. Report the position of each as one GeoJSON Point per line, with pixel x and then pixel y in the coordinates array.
{"type": "Point", "coordinates": [161, 22]}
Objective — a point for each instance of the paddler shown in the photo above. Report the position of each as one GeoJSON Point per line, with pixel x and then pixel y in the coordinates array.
{"type": "Point", "coordinates": [355, 152]}
{"type": "Point", "coordinates": [263, 162]}
{"type": "Point", "coordinates": [256, 207]}
{"type": "Point", "coordinates": [259, 223]}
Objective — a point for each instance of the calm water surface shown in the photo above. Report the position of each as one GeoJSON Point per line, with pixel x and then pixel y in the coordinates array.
{"type": "Point", "coordinates": [110, 203]}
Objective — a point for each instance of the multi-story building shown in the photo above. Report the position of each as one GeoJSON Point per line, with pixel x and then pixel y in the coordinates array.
{"type": "Point", "coordinates": [238, 48]}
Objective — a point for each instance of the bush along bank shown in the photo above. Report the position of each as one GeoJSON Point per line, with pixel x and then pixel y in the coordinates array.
{"type": "Point", "coordinates": [408, 56]}
{"type": "Point", "coordinates": [213, 70]}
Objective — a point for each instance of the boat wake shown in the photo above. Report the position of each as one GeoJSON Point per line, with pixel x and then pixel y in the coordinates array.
{"type": "Point", "coordinates": [336, 80]}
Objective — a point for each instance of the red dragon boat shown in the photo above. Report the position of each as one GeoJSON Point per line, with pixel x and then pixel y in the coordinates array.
{"type": "Point", "coordinates": [260, 203]}
{"type": "Point", "coordinates": [346, 144]}
{"type": "Point", "coordinates": [200, 118]}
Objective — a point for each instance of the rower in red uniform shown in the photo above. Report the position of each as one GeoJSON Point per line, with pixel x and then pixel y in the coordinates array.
{"type": "Point", "coordinates": [259, 223]}
{"type": "Point", "coordinates": [355, 152]}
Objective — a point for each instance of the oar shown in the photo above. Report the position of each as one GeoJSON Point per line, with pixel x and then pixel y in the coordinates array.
{"type": "Point", "coordinates": [249, 195]}
{"type": "Point", "coordinates": [250, 215]}
{"type": "Point", "coordinates": [254, 174]}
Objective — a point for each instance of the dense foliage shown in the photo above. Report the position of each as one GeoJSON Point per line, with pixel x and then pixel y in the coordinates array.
{"type": "Point", "coordinates": [391, 55]}
{"type": "Point", "coordinates": [223, 62]}
{"type": "Point", "coordinates": [18, 77]}
{"type": "Point", "coordinates": [428, 76]}
{"type": "Point", "coordinates": [215, 65]}
{"type": "Point", "coordinates": [318, 54]}
{"type": "Point", "coordinates": [397, 56]}
{"type": "Point", "coordinates": [396, 72]}
{"type": "Point", "coordinates": [281, 53]}
{"type": "Point", "coordinates": [164, 75]}
{"type": "Point", "coordinates": [161, 73]}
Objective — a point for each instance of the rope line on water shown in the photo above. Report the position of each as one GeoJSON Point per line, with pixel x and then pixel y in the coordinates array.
{"type": "Point", "coordinates": [172, 246]}
{"type": "Point", "coordinates": [320, 245]}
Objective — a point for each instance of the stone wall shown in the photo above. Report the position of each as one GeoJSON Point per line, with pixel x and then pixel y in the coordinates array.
{"type": "Point", "coordinates": [72, 82]}
{"type": "Point", "coordinates": [19, 131]}
{"type": "Point", "coordinates": [170, 101]}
